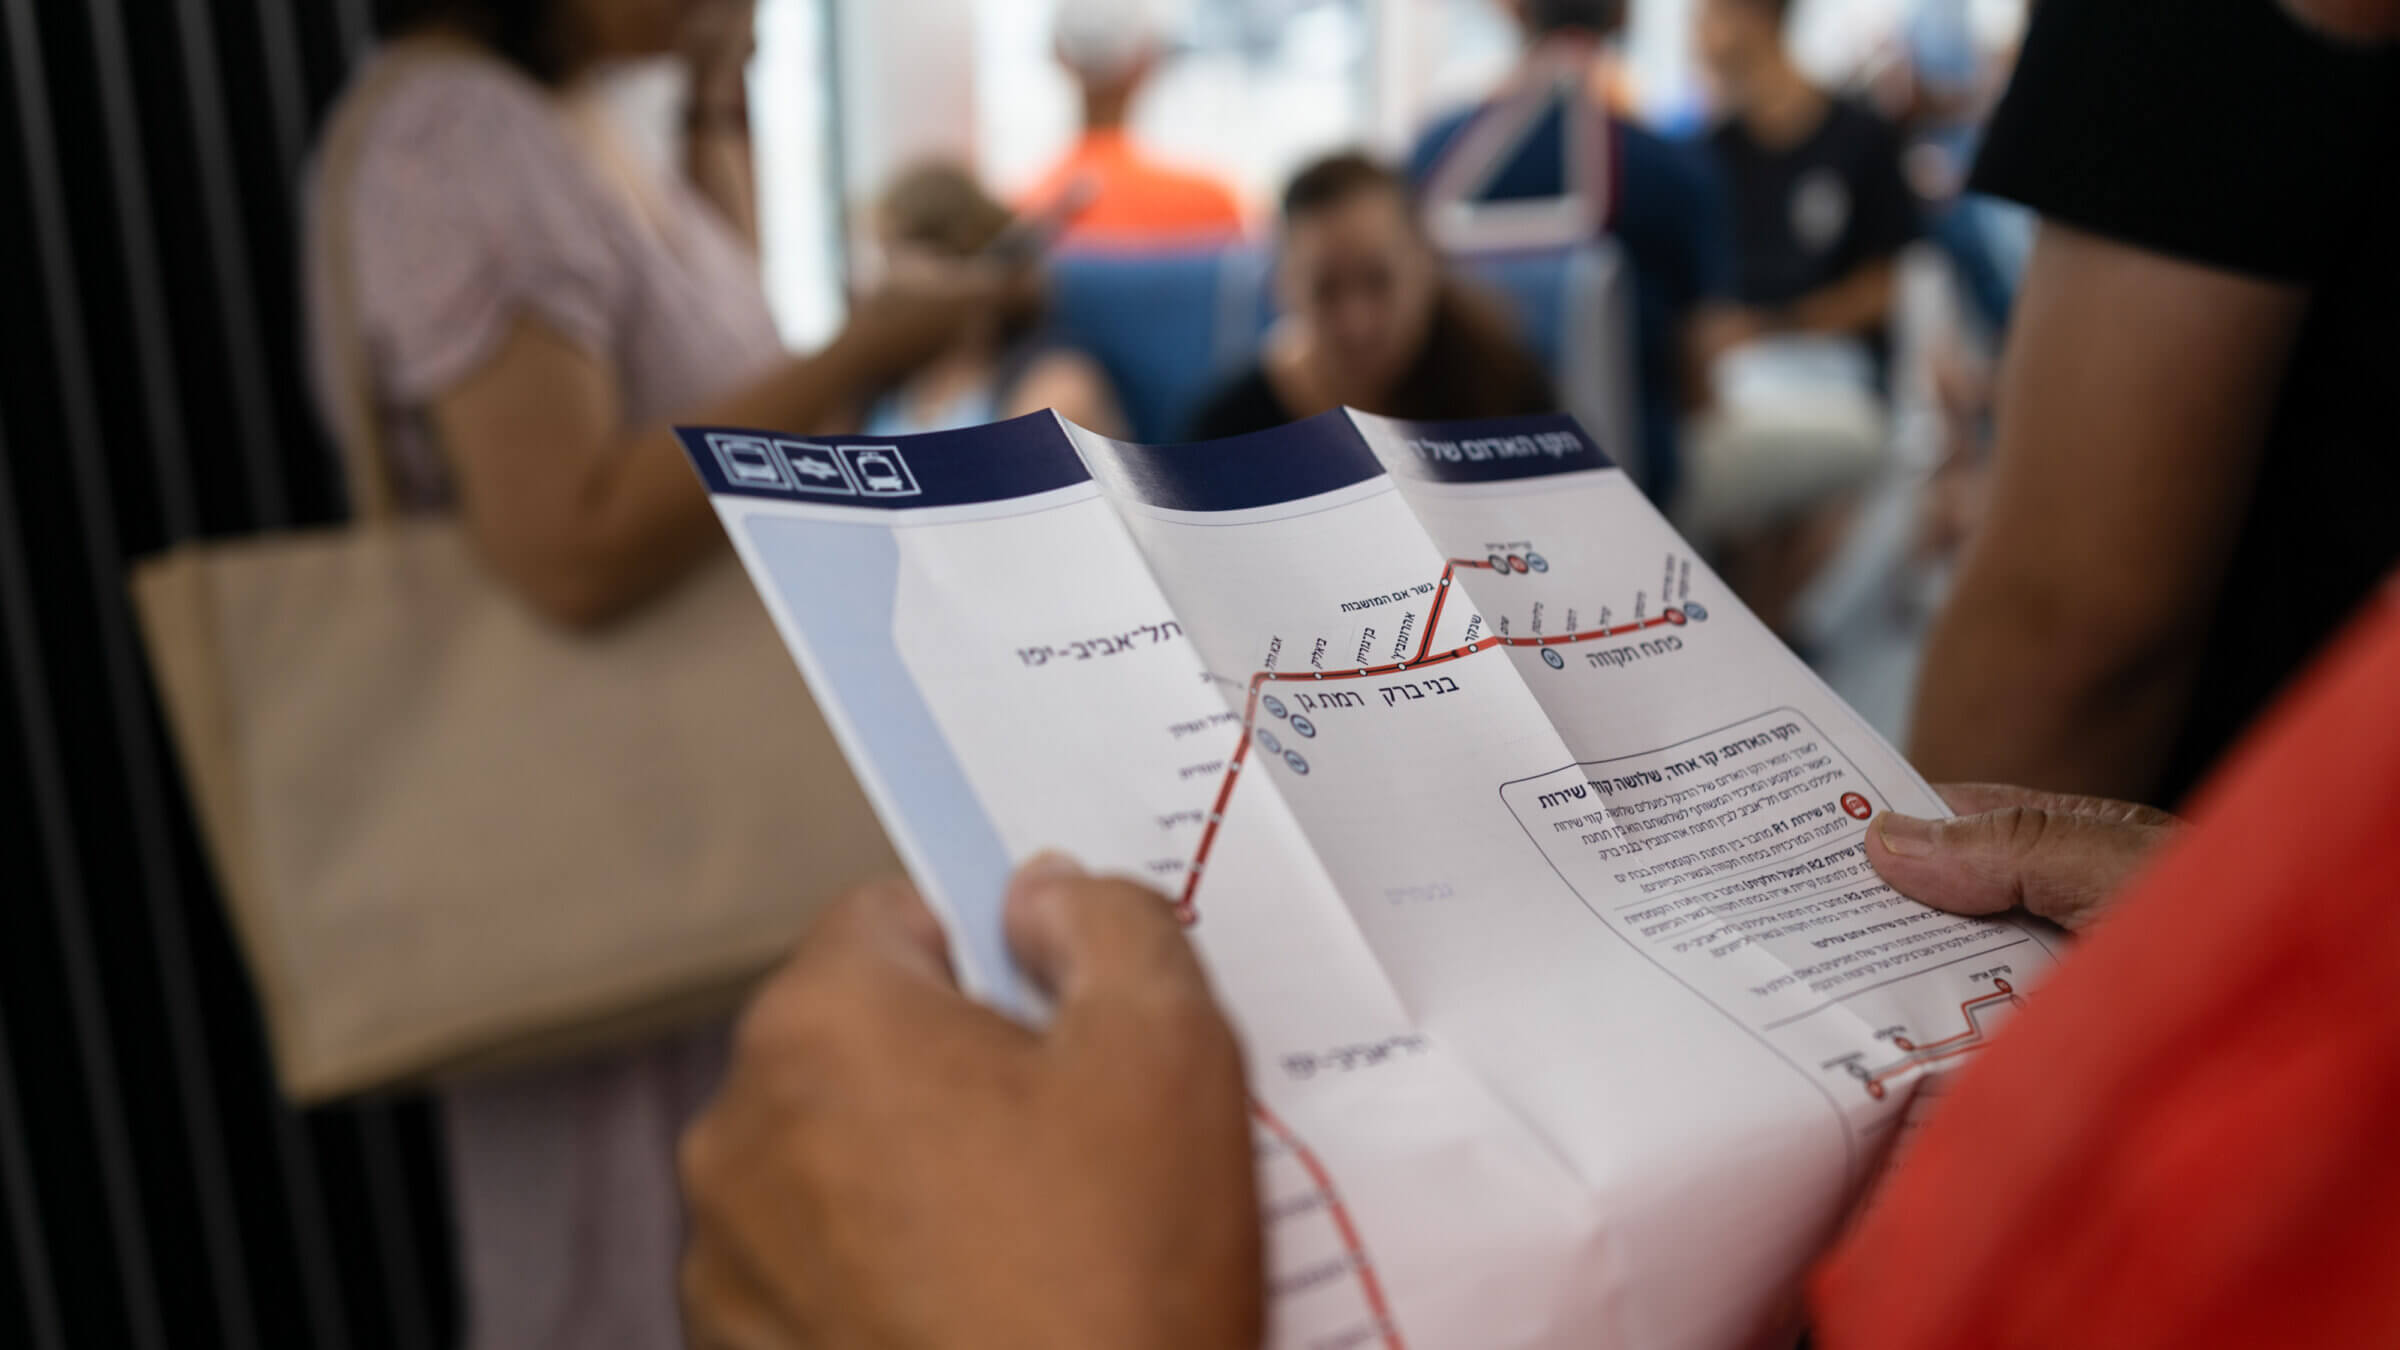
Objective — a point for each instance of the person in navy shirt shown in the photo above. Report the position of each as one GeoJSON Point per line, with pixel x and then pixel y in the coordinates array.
{"type": "Point", "coordinates": [1549, 137]}
{"type": "Point", "coordinates": [1820, 208]}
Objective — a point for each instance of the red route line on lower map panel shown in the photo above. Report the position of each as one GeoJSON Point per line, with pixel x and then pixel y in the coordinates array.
{"type": "Point", "coordinates": [1425, 657]}
{"type": "Point", "coordinates": [1949, 1047]}
{"type": "Point", "coordinates": [1356, 1250]}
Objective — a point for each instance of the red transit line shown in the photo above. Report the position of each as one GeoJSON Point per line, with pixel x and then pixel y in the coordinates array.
{"type": "Point", "coordinates": [1949, 1047]}
{"type": "Point", "coordinates": [1368, 1284]}
{"type": "Point", "coordinates": [1425, 656]}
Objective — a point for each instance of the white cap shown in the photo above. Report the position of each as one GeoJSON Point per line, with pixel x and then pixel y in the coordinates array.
{"type": "Point", "coordinates": [1105, 39]}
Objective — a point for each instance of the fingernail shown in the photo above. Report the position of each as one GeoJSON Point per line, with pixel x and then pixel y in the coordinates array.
{"type": "Point", "coordinates": [1046, 866]}
{"type": "Point", "coordinates": [1906, 836]}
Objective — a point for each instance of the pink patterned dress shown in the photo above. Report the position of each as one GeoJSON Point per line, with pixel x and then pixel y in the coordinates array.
{"type": "Point", "coordinates": [471, 205]}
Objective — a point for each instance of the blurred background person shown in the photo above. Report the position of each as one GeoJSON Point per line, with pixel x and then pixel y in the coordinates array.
{"type": "Point", "coordinates": [1820, 209]}
{"type": "Point", "coordinates": [1371, 318]}
{"type": "Point", "coordinates": [1124, 196]}
{"type": "Point", "coordinates": [1943, 91]}
{"type": "Point", "coordinates": [2195, 448]}
{"type": "Point", "coordinates": [1551, 132]}
{"type": "Point", "coordinates": [1820, 214]}
{"type": "Point", "coordinates": [1947, 89]}
{"type": "Point", "coordinates": [537, 306]}
{"type": "Point", "coordinates": [997, 364]}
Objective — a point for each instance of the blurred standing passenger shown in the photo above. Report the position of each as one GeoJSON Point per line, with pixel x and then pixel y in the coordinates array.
{"type": "Point", "coordinates": [1371, 319]}
{"type": "Point", "coordinates": [1952, 86]}
{"type": "Point", "coordinates": [1820, 208]}
{"type": "Point", "coordinates": [1130, 200]}
{"type": "Point", "coordinates": [535, 307]}
{"type": "Point", "coordinates": [2196, 457]}
{"type": "Point", "coordinates": [998, 366]}
{"type": "Point", "coordinates": [1549, 135]}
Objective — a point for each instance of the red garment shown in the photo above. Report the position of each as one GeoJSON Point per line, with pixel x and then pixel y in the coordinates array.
{"type": "Point", "coordinates": [2190, 1137]}
{"type": "Point", "coordinates": [1137, 202]}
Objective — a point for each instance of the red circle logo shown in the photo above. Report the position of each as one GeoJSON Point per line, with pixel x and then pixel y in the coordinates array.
{"type": "Point", "coordinates": [1858, 807]}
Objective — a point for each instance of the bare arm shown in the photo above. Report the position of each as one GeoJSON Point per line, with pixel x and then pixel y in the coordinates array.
{"type": "Point", "coordinates": [586, 518]}
{"type": "Point", "coordinates": [717, 154]}
{"type": "Point", "coordinates": [718, 41]}
{"type": "Point", "coordinates": [2132, 404]}
{"type": "Point", "coordinates": [1714, 328]}
{"type": "Point", "coordinates": [581, 518]}
{"type": "Point", "coordinates": [1073, 385]}
{"type": "Point", "coordinates": [1858, 303]}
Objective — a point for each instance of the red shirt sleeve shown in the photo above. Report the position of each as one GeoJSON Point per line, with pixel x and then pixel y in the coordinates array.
{"type": "Point", "coordinates": [2190, 1137]}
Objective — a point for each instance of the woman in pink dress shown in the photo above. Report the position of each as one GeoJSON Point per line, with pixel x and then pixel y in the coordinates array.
{"type": "Point", "coordinates": [537, 308]}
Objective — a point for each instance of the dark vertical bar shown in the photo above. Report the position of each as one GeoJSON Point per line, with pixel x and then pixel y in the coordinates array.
{"type": "Point", "coordinates": [164, 900]}
{"type": "Point", "coordinates": [221, 212]}
{"type": "Point", "coordinates": [138, 253]}
{"type": "Point", "coordinates": [24, 1220]}
{"type": "Point", "coordinates": [87, 1007]}
{"type": "Point", "coordinates": [395, 1240]}
{"type": "Point", "coordinates": [100, 844]}
{"type": "Point", "coordinates": [358, 29]}
{"type": "Point", "coordinates": [170, 453]}
{"type": "Point", "coordinates": [298, 1164]}
{"type": "Point", "coordinates": [320, 1290]}
{"type": "Point", "coordinates": [287, 97]}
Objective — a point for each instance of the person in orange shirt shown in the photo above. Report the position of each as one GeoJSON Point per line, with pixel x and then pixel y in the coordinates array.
{"type": "Point", "coordinates": [2186, 1138]}
{"type": "Point", "coordinates": [1127, 198]}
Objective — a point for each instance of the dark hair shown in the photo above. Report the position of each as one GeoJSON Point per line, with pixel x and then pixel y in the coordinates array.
{"type": "Point", "coordinates": [1544, 17]}
{"type": "Point", "coordinates": [1334, 180]}
{"type": "Point", "coordinates": [1472, 364]}
{"type": "Point", "coordinates": [938, 204]}
{"type": "Point", "coordinates": [525, 32]}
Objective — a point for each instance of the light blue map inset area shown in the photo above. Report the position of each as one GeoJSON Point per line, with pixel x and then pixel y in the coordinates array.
{"type": "Point", "coordinates": [840, 584]}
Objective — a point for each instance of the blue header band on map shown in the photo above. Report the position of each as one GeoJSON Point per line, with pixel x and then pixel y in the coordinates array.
{"type": "Point", "coordinates": [1264, 468]}
{"type": "Point", "coordinates": [1016, 458]}
{"type": "Point", "coordinates": [1033, 454]}
{"type": "Point", "coordinates": [1495, 449]}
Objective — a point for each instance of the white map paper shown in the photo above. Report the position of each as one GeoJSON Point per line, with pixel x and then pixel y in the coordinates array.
{"type": "Point", "coordinates": [1524, 857]}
